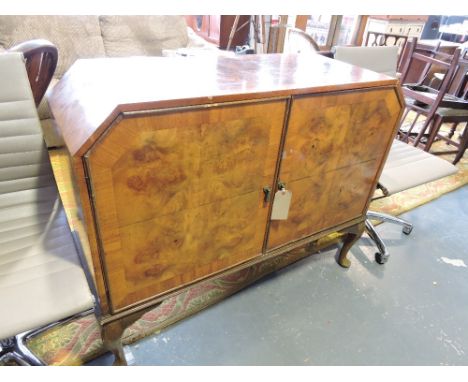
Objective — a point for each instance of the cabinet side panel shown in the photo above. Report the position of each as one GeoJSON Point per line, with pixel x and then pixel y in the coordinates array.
{"type": "Point", "coordinates": [89, 225]}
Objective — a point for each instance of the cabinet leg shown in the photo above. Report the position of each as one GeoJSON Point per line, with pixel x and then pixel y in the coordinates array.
{"type": "Point", "coordinates": [352, 235]}
{"type": "Point", "coordinates": [111, 333]}
{"type": "Point", "coordinates": [112, 338]}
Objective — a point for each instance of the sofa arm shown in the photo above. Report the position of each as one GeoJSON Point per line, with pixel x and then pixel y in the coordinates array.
{"type": "Point", "coordinates": [41, 60]}
{"type": "Point", "coordinates": [195, 41]}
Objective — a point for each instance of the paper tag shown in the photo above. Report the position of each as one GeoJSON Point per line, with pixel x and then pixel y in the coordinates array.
{"type": "Point", "coordinates": [281, 205]}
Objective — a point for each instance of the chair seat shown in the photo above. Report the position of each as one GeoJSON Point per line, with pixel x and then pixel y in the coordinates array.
{"type": "Point", "coordinates": [450, 112]}
{"type": "Point", "coordinates": [408, 166]}
{"type": "Point", "coordinates": [41, 279]}
{"type": "Point", "coordinates": [413, 102]}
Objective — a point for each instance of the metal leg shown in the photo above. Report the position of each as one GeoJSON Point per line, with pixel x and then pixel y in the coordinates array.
{"type": "Point", "coordinates": [15, 349]}
{"type": "Point", "coordinates": [26, 354]}
{"type": "Point", "coordinates": [407, 226]}
{"type": "Point", "coordinates": [382, 256]}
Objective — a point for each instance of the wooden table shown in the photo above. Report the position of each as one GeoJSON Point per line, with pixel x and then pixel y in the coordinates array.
{"type": "Point", "coordinates": [178, 162]}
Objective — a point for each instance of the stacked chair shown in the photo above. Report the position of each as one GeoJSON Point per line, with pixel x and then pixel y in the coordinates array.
{"type": "Point", "coordinates": [440, 95]}
{"type": "Point", "coordinates": [406, 166]}
{"type": "Point", "coordinates": [453, 108]}
{"type": "Point", "coordinates": [42, 279]}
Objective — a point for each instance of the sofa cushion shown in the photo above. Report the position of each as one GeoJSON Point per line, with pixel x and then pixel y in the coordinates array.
{"type": "Point", "coordinates": [74, 36]}
{"type": "Point", "coordinates": [142, 35]}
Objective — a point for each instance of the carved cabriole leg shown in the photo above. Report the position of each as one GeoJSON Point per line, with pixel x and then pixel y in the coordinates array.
{"type": "Point", "coordinates": [111, 333]}
{"type": "Point", "coordinates": [352, 235]}
{"type": "Point", "coordinates": [112, 339]}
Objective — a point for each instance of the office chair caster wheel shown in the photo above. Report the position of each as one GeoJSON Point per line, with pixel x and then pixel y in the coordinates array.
{"type": "Point", "coordinates": [380, 258]}
{"type": "Point", "coordinates": [407, 229]}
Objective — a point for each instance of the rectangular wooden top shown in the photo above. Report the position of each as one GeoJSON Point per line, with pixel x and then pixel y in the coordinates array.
{"type": "Point", "coordinates": [95, 91]}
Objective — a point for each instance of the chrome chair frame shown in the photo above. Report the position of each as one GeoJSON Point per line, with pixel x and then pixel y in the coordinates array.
{"type": "Point", "coordinates": [16, 349]}
{"type": "Point", "coordinates": [382, 255]}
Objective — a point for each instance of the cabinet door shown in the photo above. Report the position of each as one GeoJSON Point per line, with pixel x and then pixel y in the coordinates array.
{"type": "Point", "coordinates": [334, 147]}
{"type": "Point", "coordinates": [179, 196]}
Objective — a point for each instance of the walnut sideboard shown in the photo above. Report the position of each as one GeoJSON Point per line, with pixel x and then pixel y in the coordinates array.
{"type": "Point", "coordinates": [178, 162]}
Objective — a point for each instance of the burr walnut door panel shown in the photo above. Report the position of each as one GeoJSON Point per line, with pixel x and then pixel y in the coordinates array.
{"type": "Point", "coordinates": [331, 159]}
{"type": "Point", "coordinates": [179, 196]}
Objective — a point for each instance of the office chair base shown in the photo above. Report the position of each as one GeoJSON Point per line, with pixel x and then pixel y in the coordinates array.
{"type": "Point", "coordinates": [15, 349]}
{"type": "Point", "coordinates": [382, 256]}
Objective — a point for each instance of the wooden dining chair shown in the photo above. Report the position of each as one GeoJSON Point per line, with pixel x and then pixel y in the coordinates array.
{"type": "Point", "coordinates": [455, 113]}
{"type": "Point", "coordinates": [414, 71]}
{"type": "Point", "coordinates": [420, 97]}
{"type": "Point", "coordinates": [406, 166]}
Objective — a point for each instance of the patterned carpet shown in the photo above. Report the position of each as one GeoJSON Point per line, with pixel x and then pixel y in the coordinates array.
{"type": "Point", "coordinates": [79, 341]}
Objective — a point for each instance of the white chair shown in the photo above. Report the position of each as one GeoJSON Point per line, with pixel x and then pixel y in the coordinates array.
{"type": "Point", "coordinates": [42, 281]}
{"type": "Point", "coordinates": [381, 59]}
{"type": "Point", "coordinates": [406, 166]}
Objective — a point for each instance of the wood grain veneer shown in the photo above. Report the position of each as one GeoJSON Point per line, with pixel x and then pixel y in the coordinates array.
{"type": "Point", "coordinates": [333, 150]}
{"type": "Point", "coordinates": [177, 194]}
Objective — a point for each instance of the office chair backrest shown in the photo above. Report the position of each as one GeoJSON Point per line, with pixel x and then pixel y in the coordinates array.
{"type": "Point", "coordinates": [41, 279]}
{"type": "Point", "coordinates": [25, 170]}
{"type": "Point", "coordinates": [381, 59]}
{"type": "Point", "coordinates": [41, 58]}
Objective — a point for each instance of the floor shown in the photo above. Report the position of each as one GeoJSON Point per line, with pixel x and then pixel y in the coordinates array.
{"type": "Point", "coordinates": [411, 311]}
